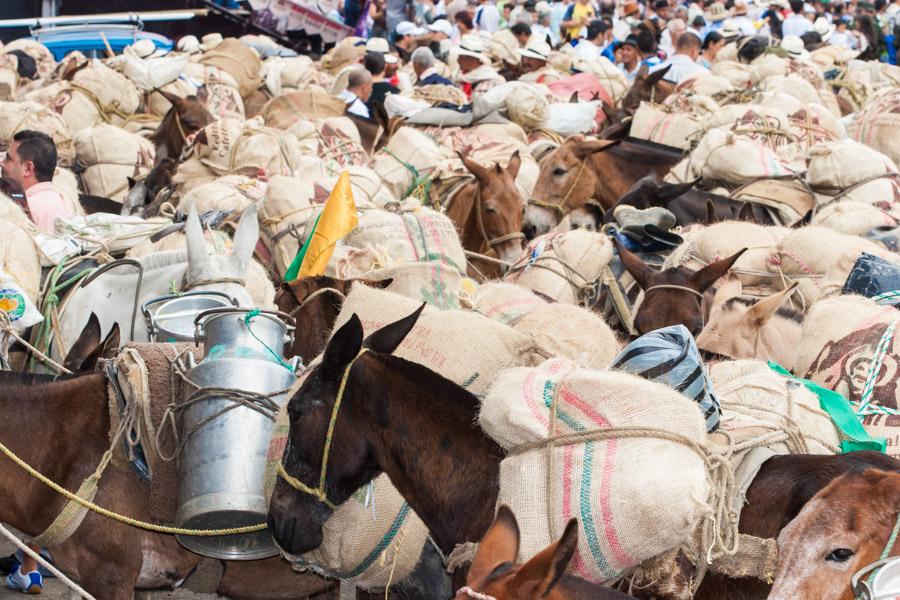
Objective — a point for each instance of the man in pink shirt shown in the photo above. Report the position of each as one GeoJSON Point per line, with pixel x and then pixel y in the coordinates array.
{"type": "Point", "coordinates": [31, 161]}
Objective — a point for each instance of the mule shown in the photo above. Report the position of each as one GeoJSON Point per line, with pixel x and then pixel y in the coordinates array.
{"type": "Point", "coordinates": [402, 419]}
{"type": "Point", "coordinates": [672, 296]}
{"type": "Point", "coordinates": [647, 87]}
{"type": "Point", "coordinates": [494, 572]}
{"type": "Point", "coordinates": [143, 192]}
{"type": "Point", "coordinates": [487, 212]}
{"type": "Point", "coordinates": [186, 117]}
{"type": "Point", "coordinates": [764, 329]}
{"type": "Point", "coordinates": [582, 171]}
{"type": "Point", "coordinates": [844, 528]}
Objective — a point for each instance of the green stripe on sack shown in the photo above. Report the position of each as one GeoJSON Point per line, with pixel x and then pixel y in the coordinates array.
{"type": "Point", "coordinates": [382, 545]}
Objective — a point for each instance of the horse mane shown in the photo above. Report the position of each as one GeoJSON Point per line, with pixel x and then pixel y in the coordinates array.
{"type": "Point", "coordinates": [783, 311]}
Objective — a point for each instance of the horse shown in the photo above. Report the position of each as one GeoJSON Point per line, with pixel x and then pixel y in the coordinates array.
{"type": "Point", "coordinates": [117, 295]}
{"type": "Point", "coordinates": [143, 192]}
{"type": "Point", "coordinates": [494, 572]}
{"type": "Point", "coordinates": [487, 211]}
{"type": "Point", "coordinates": [582, 171]}
{"type": "Point", "coordinates": [672, 296]}
{"type": "Point", "coordinates": [402, 419]}
{"type": "Point", "coordinates": [848, 525]}
{"type": "Point", "coordinates": [647, 87]}
{"type": "Point", "coordinates": [186, 117]}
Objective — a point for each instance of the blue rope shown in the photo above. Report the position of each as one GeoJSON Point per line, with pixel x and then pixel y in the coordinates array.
{"type": "Point", "coordinates": [248, 318]}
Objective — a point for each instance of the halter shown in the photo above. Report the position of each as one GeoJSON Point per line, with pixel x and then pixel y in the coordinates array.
{"type": "Point", "coordinates": [319, 493]}
{"type": "Point", "coordinates": [668, 286]}
{"type": "Point", "coordinates": [184, 136]}
{"type": "Point", "coordinates": [467, 591]}
{"type": "Point", "coordinates": [860, 587]}
{"type": "Point", "coordinates": [479, 218]}
{"type": "Point", "coordinates": [558, 208]}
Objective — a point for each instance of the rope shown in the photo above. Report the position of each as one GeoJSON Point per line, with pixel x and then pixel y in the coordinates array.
{"type": "Point", "coordinates": [248, 319]}
{"type": "Point", "coordinates": [865, 398]}
{"type": "Point", "coordinates": [201, 282]}
{"type": "Point", "coordinates": [560, 208]}
{"type": "Point", "coordinates": [467, 591]}
{"type": "Point", "coordinates": [7, 328]}
{"type": "Point", "coordinates": [667, 286]}
{"type": "Point", "coordinates": [886, 297]}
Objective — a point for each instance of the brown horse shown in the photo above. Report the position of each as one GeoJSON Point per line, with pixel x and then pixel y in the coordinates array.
{"type": "Point", "coordinates": [591, 171]}
{"type": "Point", "coordinates": [487, 212]}
{"type": "Point", "coordinates": [494, 572]}
{"type": "Point", "coordinates": [844, 528]}
{"type": "Point", "coordinates": [186, 117]}
{"type": "Point", "coordinates": [672, 296]}
{"type": "Point", "coordinates": [647, 87]}
{"type": "Point", "coordinates": [399, 418]}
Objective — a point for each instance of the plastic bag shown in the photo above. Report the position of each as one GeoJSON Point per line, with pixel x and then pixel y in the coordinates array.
{"type": "Point", "coordinates": [569, 119]}
{"type": "Point", "coordinates": [670, 356]}
{"type": "Point", "coordinates": [16, 304]}
{"type": "Point", "coordinates": [872, 276]}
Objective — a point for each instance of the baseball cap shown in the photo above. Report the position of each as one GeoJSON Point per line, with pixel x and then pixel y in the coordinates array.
{"type": "Point", "coordinates": [409, 28]}
{"type": "Point", "coordinates": [377, 44]}
{"type": "Point", "coordinates": [442, 26]}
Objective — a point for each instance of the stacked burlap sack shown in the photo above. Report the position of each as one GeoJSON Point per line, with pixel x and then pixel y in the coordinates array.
{"type": "Point", "coordinates": [110, 155]}
{"type": "Point", "coordinates": [17, 116]}
{"type": "Point", "coordinates": [875, 125]}
{"type": "Point", "coordinates": [97, 94]}
{"type": "Point", "coordinates": [409, 157]}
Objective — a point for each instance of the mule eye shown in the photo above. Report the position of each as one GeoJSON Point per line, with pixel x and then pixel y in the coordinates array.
{"type": "Point", "coordinates": [840, 555]}
{"type": "Point", "coordinates": [559, 171]}
{"type": "Point", "coordinates": [490, 209]}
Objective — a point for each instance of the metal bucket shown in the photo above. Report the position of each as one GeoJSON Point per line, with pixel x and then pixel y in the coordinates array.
{"type": "Point", "coordinates": [171, 318]}
{"type": "Point", "coordinates": [222, 464]}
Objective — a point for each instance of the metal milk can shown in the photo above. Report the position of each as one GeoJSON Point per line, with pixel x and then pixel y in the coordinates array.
{"type": "Point", "coordinates": [222, 463]}
{"type": "Point", "coordinates": [171, 318]}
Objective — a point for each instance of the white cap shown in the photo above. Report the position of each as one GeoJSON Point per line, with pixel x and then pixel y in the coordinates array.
{"type": "Point", "coordinates": [410, 28]}
{"type": "Point", "coordinates": [442, 26]}
{"type": "Point", "coordinates": [377, 44]}
{"type": "Point", "coordinates": [542, 7]}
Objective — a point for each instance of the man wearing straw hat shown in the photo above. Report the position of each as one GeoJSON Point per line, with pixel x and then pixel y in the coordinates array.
{"type": "Point", "coordinates": [534, 63]}
{"type": "Point", "coordinates": [476, 75]}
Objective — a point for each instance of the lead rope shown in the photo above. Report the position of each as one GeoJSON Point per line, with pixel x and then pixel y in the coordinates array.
{"type": "Point", "coordinates": [45, 563]}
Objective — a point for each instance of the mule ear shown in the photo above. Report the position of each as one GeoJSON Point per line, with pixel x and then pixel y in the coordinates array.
{"type": "Point", "coordinates": [670, 191]}
{"type": "Point", "coordinates": [131, 182]}
{"type": "Point", "coordinates": [386, 339]}
{"type": "Point", "coordinates": [245, 237]}
{"type": "Point", "coordinates": [708, 275]}
{"type": "Point", "coordinates": [547, 567]}
{"type": "Point", "coordinates": [498, 546]}
{"type": "Point", "coordinates": [573, 99]}
{"type": "Point", "coordinates": [763, 310]}
{"type": "Point", "coordinates": [107, 349]}
{"type": "Point", "coordinates": [584, 149]}
{"type": "Point", "coordinates": [343, 347]}
{"type": "Point", "coordinates": [378, 284]}
{"type": "Point", "coordinates": [746, 213]}
{"type": "Point", "coordinates": [87, 342]}
{"type": "Point", "coordinates": [804, 220]}
{"type": "Point", "coordinates": [634, 265]}
{"type": "Point", "coordinates": [172, 98]}
{"type": "Point", "coordinates": [475, 168]}
{"type": "Point", "coordinates": [202, 94]}
{"type": "Point", "coordinates": [730, 287]}
{"type": "Point", "coordinates": [656, 76]}
{"type": "Point", "coordinates": [512, 167]}
{"type": "Point", "coordinates": [643, 72]}
{"type": "Point", "coordinates": [198, 253]}
{"type": "Point", "coordinates": [711, 213]}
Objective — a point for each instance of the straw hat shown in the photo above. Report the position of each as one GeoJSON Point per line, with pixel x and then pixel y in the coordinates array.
{"type": "Point", "coordinates": [794, 47]}
{"type": "Point", "coordinates": [716, 13]}
{"type": "Point", "coordinates": [473, 45]}
{"type": "Point", "coordinates": [730, 29]}
{"type": "Point", "coordinates": [824, 28]}
{"type": "Point", "coordinates": [536, 48]}
{"type": "Point", "coordinates": [740, 8]}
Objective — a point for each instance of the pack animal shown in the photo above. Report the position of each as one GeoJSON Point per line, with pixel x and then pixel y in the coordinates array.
{"type": "Point", "coordinates": [186, 117]}
{"type": "Point", "coordinates": [647, 87]}
{"type": "Point", "coordinates": [142, 193]}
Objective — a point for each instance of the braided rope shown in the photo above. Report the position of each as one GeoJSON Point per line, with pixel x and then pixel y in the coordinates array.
{"type": "Point", "coordinates": [865, 398]}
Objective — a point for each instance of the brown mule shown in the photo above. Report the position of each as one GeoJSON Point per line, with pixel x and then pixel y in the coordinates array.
{"type": "Point", "coordinates": [399, 418]}
{"type": "Point", "coordinates": [494, 572]}
{"type": "Point", "coordinates": [488, 214]}
{"type": "Point", "coordinates": [647, 87]}
{"type": "Point", "coordinates": [672, 296]}
{"type": "Point", "coordinates": [186, 117]}
{"type": "Point", "coordinates": [583, 171]}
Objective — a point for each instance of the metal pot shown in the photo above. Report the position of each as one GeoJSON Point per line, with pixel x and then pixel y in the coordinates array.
{"type": "Point", "coordinates": [171, 318]}
{"type": "Point", "coordinates": [222, 464]}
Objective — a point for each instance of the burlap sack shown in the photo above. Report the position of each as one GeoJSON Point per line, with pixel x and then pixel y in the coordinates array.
{"type": "Point", "coordinates": [563, 266]}
{"type": "Point", "coordinates": [663, 125]}
{"type": "Point", "coordinates": [751, 388]}
{"type": "Point", "coordinates": [107, 144]}
{"type": "Point", "coordinates": [370, 540]}
{"type": "Point", "coordinates": [883, 193]}
{"type": "Point", "coordinates": [820, 259]}
{"type": "Point", "coordinates": [110, 181]}
{"type": "Point", "coordinates": [284, 75]}
{"type": "Point", "coordinates": [853, 218]}
{"type": "Point", "coordinates": [624, 519]}
{"type": "Point", "coordinates": [17, 116]}
{"type": "Point", "coordinates": [738, 75]}
{"type": "Point", "coordinates": [20, 258]}
{"type": "Point", "coordinates": [769, 65]}
{"type": "Point", "coordinates": [888, 427]}
{"type": "Point", "coordinates": [312, 102]}
{"type": "Point", "coordinates": [505, 302]}
{"type": "Point", "coordinates": [725, 156]}
{"type": "Point", "coordinates": [793, 85]}
{"type": "Point", "coordinates": [838, 348]}
{"type": "Point", "coordinates": [340, 145]}
{"type": "Point", "coordinates": [876, 125]}
{"type": "Point", "coordinates": [705, 83]}
{"type": "Point", "coordinates": [233, 193]}
{"type": "Point", "coordinates": [465, 347]}
{"type": "Point", "coordinates": [348, 51]}
{"type": "Point", "coordinates": [238, 60]}
{"type": "Point", "coordinates": [611, 77]}
{"type": "Point", "coordinates": [9, 76]}
{"type": "Point", "coordinates": [787, 200]}
{"type": "Point", "coordinates": [11, 212]}
{"type": "Point", "coordinates": [527, 106]}
{"type": "Point", "coordinates": [158, 105]}
{"type": "Point", "coordinates": [570, 332]}
{"type": "Point", "coordinates": [36, 50]}
{"type": "Point", "coordinates": [838, 165]}
{"type": "Point", "coordinates": [434, 283]}
{"type": "Point", "coordinates": [287, 206]}
{"type": "Point", "coordinates": [724, 239]}
{"type": "Point", "coordinates": [729, 114]}
{"type": "Point", "coordinates": [97, 94]}
{"type": "Point", "coordinates": [409, 154]}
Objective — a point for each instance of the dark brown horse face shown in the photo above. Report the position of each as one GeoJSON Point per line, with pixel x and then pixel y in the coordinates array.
{"type": "Point", "coordinates": [501, 207]}
{"type": "Point", "coordinates": [566, 181]}
{"type": "Point", "coordinates": [647, 87]}
{"type": "Point", "coordinates": [296, 517]}
{"type": "Point", "coordinates": [666, 306]}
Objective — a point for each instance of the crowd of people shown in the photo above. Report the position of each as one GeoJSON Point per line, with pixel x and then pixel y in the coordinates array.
{"type": "Point", "coordinates": [630, 34]}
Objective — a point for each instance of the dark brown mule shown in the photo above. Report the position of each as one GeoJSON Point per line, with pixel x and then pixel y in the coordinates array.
{"type": "Point", "coordinates": [672, 296]}
{"type": "Point", "coordinates": [487, 212]}
{"type": "Point", "coordinates": [315, 303]}
{"type": "Point", "coordinates": [689, 205]}
{"type": "Point", "coordinates": [399, 418]}
{"type": "Point", "coordinates": [584, 171]}
{"type": "Point", "coordinates": [647, 87]}
{"type": "Point", "coordinates": [494, 571]}
{"type": "Point", "coordinates": [142, 193]}
{"type": "Point", "coordinates": [186, 117]}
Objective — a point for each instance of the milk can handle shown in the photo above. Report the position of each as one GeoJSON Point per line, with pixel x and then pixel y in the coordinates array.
{"type": "Point", "coordinates": [288, 320]}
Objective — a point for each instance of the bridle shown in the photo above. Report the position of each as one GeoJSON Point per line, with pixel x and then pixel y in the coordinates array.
{"type": "Point", "coordinates": [319, 493]}
{"type": "Point", "coordinates": [559, 208]}
{"type": "Point", "coordinates": [669, 286]}
{"type": "Point", "coordinates": [862, 588]}
{"type": "Point", "coordinates": [479, 219]}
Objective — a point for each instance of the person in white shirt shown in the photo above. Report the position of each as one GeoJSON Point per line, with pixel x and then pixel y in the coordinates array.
{"type": "Point", "coordinates": [744, 23]}
{"type": "Point", "coordinates": [359, 88]}
{"type": "Point", "coordinates": [590, 47]}
{"type": "Point", "coordinates": [487, 17]}
{"type": "Point", "coordinates": [797, 23]}
{"type": "Point", "coordinates": [674, 29]}
{"type": "Point", "coordinates": [684, 63]}
{"type": "Point", "coordinates": [843, 37]}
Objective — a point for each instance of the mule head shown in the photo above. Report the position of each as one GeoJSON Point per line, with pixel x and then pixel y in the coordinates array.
{"type": "Point", "coordinates": [226, 272]}
{"type": "Point", "coordinates": [842, 529]}
{"type": "Point", "coordinates": [296, 517]}
{"type": "Point", "coordinates": [191, 110]}
{"type": "Point", "coordinates": [762, 330]}
{"type": "Point", "coordinates": [89, 348]}
{"type": "Point", "coordinates": [566, 181]}
{"type": "Point", "coordinates": [648, 192]}
{"type": "Point", "coordinates": [664, 306]}
{"type": "Point", "coordinates": [501, 206]}
{"type": "Point", "coordinates": [647, 87]}
{"type": "Point", "coordinates": [495, 573]}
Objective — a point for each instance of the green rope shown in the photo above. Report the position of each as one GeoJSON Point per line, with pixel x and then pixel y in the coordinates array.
{"type": "Point", "coordinates": [422, 183]}
{"type": "Point", "coordinates": [382, 545]}
{"type": "Point", "coordinates": [248, 318]}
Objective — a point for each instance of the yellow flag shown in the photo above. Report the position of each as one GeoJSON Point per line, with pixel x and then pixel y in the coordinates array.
{"type": "Point", "coordinates": [337, 220]}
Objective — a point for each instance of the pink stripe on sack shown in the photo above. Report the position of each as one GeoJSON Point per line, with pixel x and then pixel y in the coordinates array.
{"type": "Point", "coordinates": [606, 482]}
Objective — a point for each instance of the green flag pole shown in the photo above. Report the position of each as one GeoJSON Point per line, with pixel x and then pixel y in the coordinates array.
{"type": "Point", "coordinates": [294, 269]}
